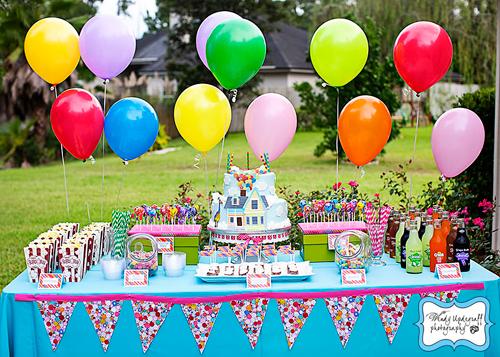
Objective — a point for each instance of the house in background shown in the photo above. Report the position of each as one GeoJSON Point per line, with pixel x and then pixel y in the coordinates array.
{"type": "Point", "coordinates": [286, 63]}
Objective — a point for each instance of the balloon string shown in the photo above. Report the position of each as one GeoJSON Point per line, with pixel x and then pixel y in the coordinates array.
{"type": "Point", "coordinates": [414, 146]}
{"type": "Point", "coordinates": [197, 159]}
{"type": "Point", "coordinates": [88, 212]}
{"type": "Point", "coordinates": [337, 140]}
{"type": "Point", "coordinates": [206, 180]}
{"type": "Point", "coordinates": [125, 163]}
{"type": "Point", "coordinates": [221, 148]}
{"type": "Point", "coordinates": [54, 88]}
{"type": "Point", "coordinates": [103, 146]}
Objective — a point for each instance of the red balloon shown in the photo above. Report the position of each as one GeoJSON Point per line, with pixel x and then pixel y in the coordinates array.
{"type": "Point", "coordinates": [422, 54]}
{"type": "Point", "coordinates": [77, 120]}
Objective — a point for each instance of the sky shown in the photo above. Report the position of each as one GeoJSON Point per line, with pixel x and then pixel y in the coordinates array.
{"type": "Point", "coordinates": [136, 12]}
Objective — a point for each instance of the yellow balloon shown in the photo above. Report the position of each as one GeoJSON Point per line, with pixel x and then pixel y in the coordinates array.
{"type": "Point", "coordinates": [51, 48]}
{"type": "Point", "coordinates": [202, 115]}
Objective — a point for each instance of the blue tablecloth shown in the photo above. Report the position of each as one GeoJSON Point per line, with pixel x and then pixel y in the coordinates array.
{"type": "Point", "coordinates": [22, 332]}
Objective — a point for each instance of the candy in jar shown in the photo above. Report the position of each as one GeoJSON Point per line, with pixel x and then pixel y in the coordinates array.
{"type": "Point", "coordinates": [142, 253]}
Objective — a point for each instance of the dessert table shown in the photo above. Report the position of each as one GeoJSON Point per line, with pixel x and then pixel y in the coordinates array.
{"type": "Point", "coordinates": [22, 330]}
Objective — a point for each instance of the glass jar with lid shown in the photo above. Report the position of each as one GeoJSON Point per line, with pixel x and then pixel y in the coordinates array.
{"type": "Point", "coordinates": [142, 253]}
{"type": "Point", "coordinates": [352, 250]}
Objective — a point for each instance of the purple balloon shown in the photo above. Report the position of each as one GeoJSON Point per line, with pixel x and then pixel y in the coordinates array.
{"type": "Point", "coordinates": [206, 29]}
{"type": "Point", "coordinates": [107, 45]}
{"type": "Point", "coordinates": [457, 140]}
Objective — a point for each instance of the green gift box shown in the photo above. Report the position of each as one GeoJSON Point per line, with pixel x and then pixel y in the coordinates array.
{"type": "Point", "coordinates": [315, 238]}
{"type": "Point", "coordinates": [186, 237]}
{"type": "Point", "coordinates": [188, 245]}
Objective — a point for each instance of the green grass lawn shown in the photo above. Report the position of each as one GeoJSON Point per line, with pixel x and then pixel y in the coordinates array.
{"type": "Point", "coordinates": [33, 199]}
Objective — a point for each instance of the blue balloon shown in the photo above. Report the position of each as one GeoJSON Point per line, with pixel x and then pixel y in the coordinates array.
{"type": "Point", "coordinates": [131, 127]}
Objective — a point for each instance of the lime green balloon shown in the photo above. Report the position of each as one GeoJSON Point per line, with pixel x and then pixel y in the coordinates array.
{"type": "Point", "coordinates": [236, 50]}
{"type": "Point", "coordinates": [339, 49]}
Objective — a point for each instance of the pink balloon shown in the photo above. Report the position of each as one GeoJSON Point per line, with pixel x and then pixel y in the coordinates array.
{"type": "Point", "coordinates": [457, 140]}
{"type": "Point", "coordinates": [206, 28]}
{"type": "Point", "coordinates": [270, 124]}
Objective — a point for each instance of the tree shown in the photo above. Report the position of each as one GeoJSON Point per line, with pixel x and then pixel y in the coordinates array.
{"type": "Point", "coordinates": [378, 78]}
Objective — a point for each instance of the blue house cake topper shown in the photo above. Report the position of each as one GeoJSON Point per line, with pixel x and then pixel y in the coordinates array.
{"type": "Point", "coordinates": [249, 203]}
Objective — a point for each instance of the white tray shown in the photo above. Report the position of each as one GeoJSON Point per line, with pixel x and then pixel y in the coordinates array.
{"type": "Point", "coordinates": [304, 268]}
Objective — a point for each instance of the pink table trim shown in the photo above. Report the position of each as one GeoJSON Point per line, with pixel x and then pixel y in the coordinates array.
{"type": "Point", "coordinates": [253, 295]}
{"type": "Point", "coordinates": [176, 230]}
{"type": "Point", "coordinates": [331, 227]}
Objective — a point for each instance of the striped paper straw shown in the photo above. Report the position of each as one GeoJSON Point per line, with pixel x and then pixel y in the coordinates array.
{"type": "Point", "coordinates": [369, 214]}
{"type": "Point", "coordinates": [384, 215]}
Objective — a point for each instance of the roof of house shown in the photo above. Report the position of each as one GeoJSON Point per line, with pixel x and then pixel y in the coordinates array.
{"type": "Point", "coordinates": [287, 50]}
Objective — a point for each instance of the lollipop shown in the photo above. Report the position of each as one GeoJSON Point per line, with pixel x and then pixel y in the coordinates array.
{"type": "Point", "coordinates": [302, 203]}
{"type": "Point", "coordinates": [139, 212]}
{"type": "Point", "coordinates": [182, 215]}
{"type": "Point", "coordinates": [328, 207]}
{"type": "Point", "coordinates": [164, 211]}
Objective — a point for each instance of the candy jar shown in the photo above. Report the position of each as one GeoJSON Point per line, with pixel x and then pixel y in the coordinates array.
{"type": "Point", "coordinates": [352, 250]}
{"type": "Point", "coordinates": [142, 253]}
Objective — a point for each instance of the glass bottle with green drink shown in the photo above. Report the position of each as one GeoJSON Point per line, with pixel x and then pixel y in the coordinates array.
{"type": "Point", "coordinates": [414, 250]}
{"type": "Point", "coordinates": [404, 239]}
{"type": "Point", "coordinates": [399, 234]}
{"type": "Point", "coordinates": [426, 241]}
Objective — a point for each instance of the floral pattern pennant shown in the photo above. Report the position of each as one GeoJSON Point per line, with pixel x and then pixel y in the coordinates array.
{"type": "Point", "coordinates": [444, 296]}
{"type": "Point", "coordinates": [344, 312]}
{"type": "Point", "coordinates": [391, 309]}
{"type": "Point", "coordinates": [250, 315]}
{"type": "Point", "coordinates": [201, 318]}
{"type": "Point", "coordinates": [104, 316]}
{"type": "Point", "coordinates": [294, 313]}
{"type": "Point", "coordinates": [149, 317]}
{"type": "Point", "coordinates": [56, 315]}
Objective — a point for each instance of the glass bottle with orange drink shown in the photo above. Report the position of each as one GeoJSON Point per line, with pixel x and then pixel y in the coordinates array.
{"type": "Point", "coordinates": [437, 246]}
{"type": "Point", "coordinates": [445, 224]}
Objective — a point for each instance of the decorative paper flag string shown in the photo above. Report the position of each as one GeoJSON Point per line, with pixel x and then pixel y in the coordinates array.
{"type": "Point", "coordinates": [414, 146]}
{"type": "Point", "coordinates": [250, 314]}
{"type": "Point", "coordinates": [54, 88]}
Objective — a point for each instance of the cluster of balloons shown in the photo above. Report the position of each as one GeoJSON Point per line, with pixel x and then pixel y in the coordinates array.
{"type": "Point", "coordinates": [106, 45]}
{"type": "Point", "coordinates": [422, 55]}
{"type": "Point", "coordinates": [234, 50]}
{"type": "Point", "coordinates": [231, 47]}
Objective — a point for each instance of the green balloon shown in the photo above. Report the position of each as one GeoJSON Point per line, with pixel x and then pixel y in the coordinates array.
{"type": "Point", "coordinates": [339, 50]}
{"type": "Point", "coordinates": [236, 50]}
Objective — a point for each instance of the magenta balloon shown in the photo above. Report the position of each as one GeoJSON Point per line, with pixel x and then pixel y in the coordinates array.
{"type": "Point", "coordinates": [206, 29]}
{"type": "Point", "coordinates": [457, 140]}
{"type": "Point", "coordinates": [270, 124]}
{"type": "Point", "coordinates": [107, 45]}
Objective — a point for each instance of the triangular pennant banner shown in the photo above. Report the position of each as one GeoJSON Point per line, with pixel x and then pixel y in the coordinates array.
{"type": "Point", "coordinates": [104, 315]}
{"type": "Point", "coordinates": [444, 296]}
{"type": "Point", "coordinates": [391, 309]}
{"type": "Point", "coordinates": [149, 317]}
{"type": "Point", "coordinates": [344, 311]}
{"type": "Point", "coordinates": [294, 313]}
{"type": "Point", "coordinates": [250, 315]}
{"type": "Point", "coordinates": [201, 318]}
{"type": "Point", "coordinates": [56, 315]}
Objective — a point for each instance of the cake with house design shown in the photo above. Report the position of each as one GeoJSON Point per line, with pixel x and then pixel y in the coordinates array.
{"type": "Point", "coordinates": [248, 208]}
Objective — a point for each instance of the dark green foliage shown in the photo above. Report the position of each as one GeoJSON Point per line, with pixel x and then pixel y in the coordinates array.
{"type": "Point", "coordinates": [378, 78]}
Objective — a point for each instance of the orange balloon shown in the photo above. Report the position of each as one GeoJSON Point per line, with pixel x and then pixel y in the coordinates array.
{"type": "Point", "coordinates": [364, 128]}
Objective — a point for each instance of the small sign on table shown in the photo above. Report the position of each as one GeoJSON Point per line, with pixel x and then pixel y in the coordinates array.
{"type": "Point", "coordinates": [448, 271]}
{"type": "Point", "coordinates": [135, 277]}
{"type": "Point", "coordinates": [165, 244]}
{"type": "Point", "coordinates": [50, 281]}
{"type": "Point", "coordinates": [353, 276]}
{"type": "Point", "coordinates": [258, 281]}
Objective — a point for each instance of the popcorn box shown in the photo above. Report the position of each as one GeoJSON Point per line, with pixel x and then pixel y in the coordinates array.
{"type": "Point", "coordinates": [96, 237]}
{"type": "Point", "coordinates": [71, 258]}
{"type": "Point", "coordinates": [88, 244]}
{"type": "Point", "coordinates": [37, 261]}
